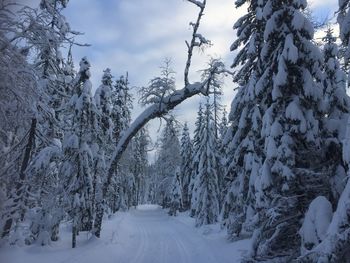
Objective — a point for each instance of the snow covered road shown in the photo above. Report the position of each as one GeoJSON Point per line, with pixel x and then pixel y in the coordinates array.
{"type": "Point", "coordinates": [143, 235]}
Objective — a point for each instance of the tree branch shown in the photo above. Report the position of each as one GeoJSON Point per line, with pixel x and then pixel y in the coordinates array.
{"type": "Point", "coordinates": [154, 111]}
{"type": "Point", "coordinates": [191, 46]}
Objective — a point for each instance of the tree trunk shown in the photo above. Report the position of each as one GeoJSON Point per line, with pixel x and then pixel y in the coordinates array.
{"type": "Point", "coordinates": [98, 220]}
{"type": "Point", "coordinates": [74, 237]}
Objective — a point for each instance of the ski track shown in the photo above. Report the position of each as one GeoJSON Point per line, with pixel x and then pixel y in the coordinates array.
{"type": "Point", "coordinates": [144, 235]}
{"type": "Point", "coordinates": [166, 239]}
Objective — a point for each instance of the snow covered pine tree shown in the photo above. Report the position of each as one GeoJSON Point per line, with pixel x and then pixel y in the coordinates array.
{"type": "Point", "coordinates": [289, 177]}
{"type": "Point", "coordinates": [206, 179]}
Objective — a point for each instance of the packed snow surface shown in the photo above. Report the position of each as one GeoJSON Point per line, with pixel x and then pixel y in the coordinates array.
{"type": "Point", "coordinates": [143, 235]}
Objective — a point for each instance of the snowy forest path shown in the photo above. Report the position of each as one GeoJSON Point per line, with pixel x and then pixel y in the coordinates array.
{"type": "Point", "coordinates": [165, 239]}
{"type": "Point", "coordinates": [146, 234]}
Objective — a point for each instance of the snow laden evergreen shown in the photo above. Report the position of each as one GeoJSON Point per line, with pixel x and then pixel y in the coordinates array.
{"type": "Point", "coordinates": [103, 101]}
{"type": "Point", "coordinates": [122, 102]}
{"type": "Point", "coordinates": [185, 167]}
{"type": "Point", "coordinates": [242, 141]}
{"type": "Point", "coordinates": [344, 26]}
{"type": "Point", "coordinates": [77, 167]}
{"type": "Point", "coordinates": [215, 86]}
{"type": "Point", "coordinates": [290, 174]}
{"type": "Point", "coordinates": [334, 243]}
{"type": "Point", "coordinates": [120, 117]}
{"type": "Point", "coordinates": [139, 164]}
{"type": "Point", "coordinates": [168, 160]}
{"type": "Point", "coordinates": [193, 187]}
{"type": "Point", "coordinates": [102, 145]}
{"type": "Point", "coordinates": [176, 195]}
{"type": "Point", "coordinates": [316, 222]}
{"type": "Point", "coordinates": [223, 126]}
{"type": "Point", "coordinates": [206, 178]}
{"type": "Point", "coordinates": [336, 110]}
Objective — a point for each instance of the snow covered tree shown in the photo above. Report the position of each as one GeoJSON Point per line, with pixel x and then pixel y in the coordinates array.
{"type": "Point", "coordinates": [289, 178]}
{"type": "Point", "coordinates": [103, 103]}
{"type": "Point", "coordinates": [122, 106]}
{"type": "Point", "coordinates": [215, 87]}
{"type": "Point", "coordinates": [223, 124]}
{"type": "Point", "coordinates": [344, 25]}
{"type": "Point", "coordinates": [159, 87]}
{"type": "Point", "coordinates": [206, 179]}
{"type": "Point", "coordinates": [77, 166]}
{"type": "Point", "coordinates": [193, 187]}
{"type": "Point", "coordinates": [315, 225]}
{"type": "Point", "coordinates": [334, 246]}
{"type": "Point", "coordinates": [44, 181]}
{"type": "Point", "coordinates": [242, 143]}
{"type": "Point", "coordinates": [139, 164]}
{"type": "Point", "coordinates": [186, 166]}
{"type": "Point", "coordinates": [337, 105]}
{"type": "Point", "coordinates": [103, 143]}
{"type": "Point", "coordinates": [176, 196]}
{"type": "Point", "coordinates": [120, 191]}
{"type": "Point", "coordinates": [168, 160]}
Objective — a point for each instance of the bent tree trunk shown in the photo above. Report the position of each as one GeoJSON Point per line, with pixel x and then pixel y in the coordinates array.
{"type": "Point", "coordinates": [154, 111]}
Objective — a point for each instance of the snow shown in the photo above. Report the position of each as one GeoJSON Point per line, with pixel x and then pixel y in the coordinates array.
{"type": "Point", "coordinates": [290, 51]}
{"type": "Point", "coordinates": [316, 222]}
{"type": "Point", "coordinates": [145, 234]}
{"type": "Point", "coordinates": [293, 111]}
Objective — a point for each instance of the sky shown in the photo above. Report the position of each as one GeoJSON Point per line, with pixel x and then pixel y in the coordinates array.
{"type": "Point", "coordinates": [137, 35]}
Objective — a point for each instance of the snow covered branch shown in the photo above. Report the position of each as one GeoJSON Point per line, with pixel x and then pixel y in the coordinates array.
{"type": "Point", "coordinates": [154, 111]}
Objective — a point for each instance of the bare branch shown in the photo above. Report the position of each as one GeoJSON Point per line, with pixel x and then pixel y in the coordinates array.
{"type": "Point", "coordinates": [197, 3]}
{"type": "Point", "coordinates": [193, 43]}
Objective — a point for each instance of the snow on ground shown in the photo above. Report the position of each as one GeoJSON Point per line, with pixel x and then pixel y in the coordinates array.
{"type": "Point", "coordinates": [143, 235]}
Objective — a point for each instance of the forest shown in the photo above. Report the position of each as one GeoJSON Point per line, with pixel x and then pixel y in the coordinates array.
{"type": "Point", "coordinates": [273, 170]}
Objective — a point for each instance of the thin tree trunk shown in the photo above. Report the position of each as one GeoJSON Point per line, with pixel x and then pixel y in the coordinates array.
{"type": "Point", "coordinates": [74, 237]}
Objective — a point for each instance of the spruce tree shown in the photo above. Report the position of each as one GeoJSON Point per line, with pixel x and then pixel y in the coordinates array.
{"type": "Point", "coordinates": [242, 142]}
{"type": "Point", "coordinates": [288, 180]}
{"type": "Point", "coordinates": [207, 205]}
{"type": "Point", "coordinates": [336, 109]}
{"type": "Point", "coordinates": [193, 187]}
{"type": "Point", "coordinates": [103, 145]}
{"type": "Point", "coordinates": [139, 164]}
{"type": "Point", "coordinates": [168, 160]}
{"type": "Point", "coordinates": [344, 26]}
{"type": "Point", "coordinates": [77, 167]}
{"type": "Point", "coordinates": [176, 196]}
{"type": "Point", "coordinates": [186, 169]}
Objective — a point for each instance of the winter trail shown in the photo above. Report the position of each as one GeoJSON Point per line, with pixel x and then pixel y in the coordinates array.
{"type": "Point", "coordinates": [143, 235]}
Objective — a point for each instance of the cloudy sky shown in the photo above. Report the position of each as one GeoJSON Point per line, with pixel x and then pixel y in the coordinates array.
{"type": "Point", "coordinates": [136, 36]}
